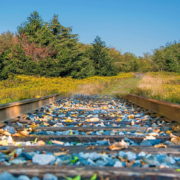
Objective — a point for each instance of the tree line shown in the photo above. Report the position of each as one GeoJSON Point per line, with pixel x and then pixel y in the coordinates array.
{"type": "Point", "coordinates": [52, 50]}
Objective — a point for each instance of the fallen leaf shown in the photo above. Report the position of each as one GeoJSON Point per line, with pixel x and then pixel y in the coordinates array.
{"type": "Point", "coordinates": [64, 149]}
{"type": "Point", "coordinates": [131, 116]}
{"type": "Point", "coordinates": [23, 133]}
{"type": "Point", "coordinates": [154, 134]}
{"type": "Point", "coordinates": [70, 133]}
{"type": "Point", "coordinates": [94, 177]}
{"type": "Point", "coordinates": [132, 123]}
{"type": "Point", "coordinates": [142, 162]}
{"type": "Point", "coordinates": [57, 142]}
{"type": "Point", "coordinates": [3, 143]}
{"type": "Point", "coordinates": [176, 128]}
{"type": "Point", "coordinates": [133, 148]}
{"type": "Point", "coordinates": [102, 178]}
{"type": "Point", "coordinates": [148, 129]}
{"type": "Point", "coordinates": [95, 119]}
{"type": "Point", "coordinates": [59, 153]}
{"type": "Point", "coordinates": [168, 132]}
{"type": "Point", "coordinates": [160, 145]}
{"type": "Point", "coordinates": [119, 145]}
{"type": "Point", "coordinates": [91, 147]}
{"type": "Point", "coordinates": [175, 139]}
{"type": "Point", "coordinates": [119, 119]}
{"type": "Point", "coordinates": [157, 130]}
{"type": "Point", "coordinates": [41, 143]}
{"type": "Point", "coordinates": [121, 158]}
{"type": "Point", "coordinates": [149, 137]}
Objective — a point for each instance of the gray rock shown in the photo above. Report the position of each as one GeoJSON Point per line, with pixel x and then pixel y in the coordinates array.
{"type": "Point", "coordinates": [154, 125]}
{"type": "Point", "coordinates": [86, 155]}
{"type": "Point", "coordinates": [101, 163]}
{"type": "Point", "coordinates": [17, 161]}
{"type": "Point", "coordinates": [49, 177]}
{"type": "Point", "coordinates": [35, 178]}
{"type": "Point", "coordinates": [94, 156]}
{"type": "Point", "coordinates": [151, 160]}
{"type": "Point", "coordinates": [102, 142]}
{"type": "Point", "coordinates": [137, 163]}
{"type": "Point", "coordinates": [118, 164]}
{"type": "Point", "coordinates": [10, 129]}
{"type": "Point", "coordinates": [43, 159]}
{"type": "Point", "coordinates": [84, 162]}
{"type": "Point", "coordinates": [141, 154]}
{"type": "Point", "coordinates": [7, 176]}
{"type": "Point", "coordinates": [27, 156]}
{"type": "Point", "coordinates": [122, 154]}
{"type": "Point", "coordinates": [91, 163]}
{"type": "Point", "coordinates": [50, 133]}
{"type": "Point", "coordinates": [130, 156]}
{"type": "Point", "coordinates": [146, 143]}
{"type": "Point", "coordinates": [23, 177]}
{"type": "Point", "coordinates": [160, 157]}
{"type": "Point", "coordinates": [19, 151]}
{"type": "Point", "coordinates": [169, 160]}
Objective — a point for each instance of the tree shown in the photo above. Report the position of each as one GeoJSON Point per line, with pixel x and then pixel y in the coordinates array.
{"type": "Point", "coordinates": [103, 64]}
{"type": "Point", "coordinates": [32, 25]}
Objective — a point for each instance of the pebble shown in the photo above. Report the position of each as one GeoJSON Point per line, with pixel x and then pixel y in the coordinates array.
{"type": "Point", "coordinates": [6, 176]}
{"type": "Point", "coordinates": [118, 164]}
{"type": "Point", "coordinates": [10, 129]}
{"type": "Point", "coordinates": [43, 159]}
{"type": "Point", "coordinates": [49, 177]}
{"type": "Point", "coordinates": [23, 177]}
{"type": "Point", "coordinates": [130, 156]}
{"type": "Point", "coordinates": [169, 160]}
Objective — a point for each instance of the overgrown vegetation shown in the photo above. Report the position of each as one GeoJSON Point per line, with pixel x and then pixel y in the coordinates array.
{"type": "Point", "coordinates": [160, 85]}
{"type": "Point", "coordinates": [23, 87]}
{"type": "Point", "coordinates": [49, 49]}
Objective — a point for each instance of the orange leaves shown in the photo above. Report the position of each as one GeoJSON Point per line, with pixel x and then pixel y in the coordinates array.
{"type": "Point", "coordinates": [157, 130]}
{"type": "Point", "coordinates": [176, 128]}
{"type": "Point", "coordinates": [175, 139]}
{"type": "Point", "coordinates": [160, 145]}
{"type": "Point", "coordinates": [91, 147]}
{"type": "Point", "coordinates": [132, 123]}
{"type": "Point", "coordinates": [41, 143]}
{"type": "Point", "coordinates": [21, 134]}
{"type": "Point", "coordinates": [57, 142]}
{"type": "Point", "coordinates": [118, 145]}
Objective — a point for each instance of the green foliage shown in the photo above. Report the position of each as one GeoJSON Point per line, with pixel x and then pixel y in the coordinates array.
{"type": "Point", "coordinates": [103, 64]}
{"type": "Point", "coordinates": [167, 58]}
{"type": "Point", "coordinates": [52, 50]}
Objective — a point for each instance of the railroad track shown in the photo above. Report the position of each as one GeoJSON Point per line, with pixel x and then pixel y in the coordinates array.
{"type": "Point", "coordinates": [88, 135]}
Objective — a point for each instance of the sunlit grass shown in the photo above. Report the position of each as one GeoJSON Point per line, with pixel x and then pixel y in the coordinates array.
{"type": "Point", "coordinates": [27, 87]}
{"type": "Point", "coordinates": [161, 86]}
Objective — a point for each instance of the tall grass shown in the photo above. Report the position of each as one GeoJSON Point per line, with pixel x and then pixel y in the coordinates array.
{"type": "Point", "coordinates": [160, 86]}
{"type": "Point", "coordinates": [27, 87]}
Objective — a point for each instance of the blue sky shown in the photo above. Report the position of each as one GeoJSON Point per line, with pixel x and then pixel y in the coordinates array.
{"type": "Point", "coordinates": [135, 26]}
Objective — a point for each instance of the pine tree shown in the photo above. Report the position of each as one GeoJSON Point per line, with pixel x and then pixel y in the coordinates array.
{"type": "Point", "coordinates": [104, 64]}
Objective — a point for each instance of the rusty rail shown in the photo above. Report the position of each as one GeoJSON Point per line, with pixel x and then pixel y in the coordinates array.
{"type": "Point", "coordinates": [12, 110]}
{"type": "Point", "coordinates": [171, 111]}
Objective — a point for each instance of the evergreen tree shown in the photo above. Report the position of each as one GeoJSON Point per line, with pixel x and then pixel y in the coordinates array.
{"type": "Point", "coordinates": [103, 64]}
{"type": "Point", "coordinates": [30, 27]}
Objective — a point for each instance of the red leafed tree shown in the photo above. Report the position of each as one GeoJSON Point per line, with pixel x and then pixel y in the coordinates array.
{"type": "Point", "coordinates": [35, 51]}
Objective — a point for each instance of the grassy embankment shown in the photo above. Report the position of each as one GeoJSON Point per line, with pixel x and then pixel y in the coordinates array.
{"type": "Point", "coordinates": [160, 86]}
{"type": "Point", "coordinates": [27, 87]}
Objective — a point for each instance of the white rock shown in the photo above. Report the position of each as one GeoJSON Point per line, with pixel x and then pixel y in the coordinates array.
{"type": "Point", "coordinates": [43, 159]}
{"type": "Point", "coordinates": [118, 164]}
{"type": "Point", "coordinates": [130, 156]}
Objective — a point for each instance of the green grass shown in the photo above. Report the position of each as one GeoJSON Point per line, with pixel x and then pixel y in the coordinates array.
{"type": "Point", "coordinates": [124, 87]}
